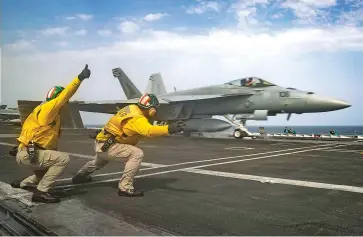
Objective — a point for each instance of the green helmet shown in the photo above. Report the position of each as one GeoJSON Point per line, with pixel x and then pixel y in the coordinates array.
{"type": "Point", "coordinates": [148, 101]}
{"type": "Point", "coordinates": [54, 92]}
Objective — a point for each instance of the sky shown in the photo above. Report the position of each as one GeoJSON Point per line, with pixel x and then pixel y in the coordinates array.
{"type": "Point", "coordinates": [312, 45]}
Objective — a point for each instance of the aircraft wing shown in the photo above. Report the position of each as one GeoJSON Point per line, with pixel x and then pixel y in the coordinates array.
{"type": "Point", "coordinates": [70, 116]}
{"type": "Point", "coordinates": [108, 107]}
{"type": "Point", "coordinates": [7, 115]}
{"type": "Point", "coordinates": [181, 98]}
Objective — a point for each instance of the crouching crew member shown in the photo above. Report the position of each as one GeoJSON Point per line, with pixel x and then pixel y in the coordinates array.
{"type": "Point", "coordinates": [117, 139]}
{"type": "Point", "coordinates": [38, 141]}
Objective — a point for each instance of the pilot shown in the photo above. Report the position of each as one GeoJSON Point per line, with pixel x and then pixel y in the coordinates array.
{"type": "Point", "coordinates": [250, 82]}
{"type": "Point", "coordinates": [38, 141]}
{"type": "Point", "coordinates": [117, 139]}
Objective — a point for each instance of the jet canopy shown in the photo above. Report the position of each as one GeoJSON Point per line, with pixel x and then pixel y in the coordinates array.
{"type": "Point", "coordinates": [250, 82]}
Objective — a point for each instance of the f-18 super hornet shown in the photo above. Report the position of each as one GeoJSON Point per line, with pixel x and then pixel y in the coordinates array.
{"type": "Point", "coordinates": [250, 98]}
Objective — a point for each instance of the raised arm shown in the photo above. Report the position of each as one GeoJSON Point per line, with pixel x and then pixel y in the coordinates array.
{"type": "Point", "coordinates": [51, 109]}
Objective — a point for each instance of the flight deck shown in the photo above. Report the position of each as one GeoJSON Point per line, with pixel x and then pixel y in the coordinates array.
{"type": "Point", "coordinates": [202, 186]}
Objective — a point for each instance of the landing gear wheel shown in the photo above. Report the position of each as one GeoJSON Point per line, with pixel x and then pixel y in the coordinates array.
{"type": "Point", "coordinates": [237, 134]}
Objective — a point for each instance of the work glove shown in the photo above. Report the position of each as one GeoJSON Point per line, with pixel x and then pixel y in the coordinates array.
{"type": "Point", "coordinates": [176, 127]}
{"type": "Point", "coordinates": [86, 73]}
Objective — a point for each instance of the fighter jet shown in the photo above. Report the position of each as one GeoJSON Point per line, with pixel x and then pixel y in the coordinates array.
{"type": "Point", "coordinates": [249, 98]}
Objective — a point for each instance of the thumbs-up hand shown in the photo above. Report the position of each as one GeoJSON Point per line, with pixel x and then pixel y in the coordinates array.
{"type": "Point", "coordinates": [86, 73]}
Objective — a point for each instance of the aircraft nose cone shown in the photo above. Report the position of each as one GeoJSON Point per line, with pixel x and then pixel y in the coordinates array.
{"type": "Point", "coordinates": [322, 104]}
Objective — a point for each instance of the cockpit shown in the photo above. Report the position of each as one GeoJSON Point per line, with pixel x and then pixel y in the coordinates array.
{"type": "Point", "coordinates": [250, 82]}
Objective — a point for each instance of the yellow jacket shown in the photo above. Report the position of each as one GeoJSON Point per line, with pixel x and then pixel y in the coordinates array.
{"type": "Point", "coordinates": [130, 121]}
{"type": "Point", "coordinates": [43, 124]}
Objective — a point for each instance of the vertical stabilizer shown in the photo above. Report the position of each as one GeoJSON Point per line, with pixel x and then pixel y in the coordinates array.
{"type": "Point", "coordinates": [155, 85]}
{"type": "Point", "coordinates": [129, 88]}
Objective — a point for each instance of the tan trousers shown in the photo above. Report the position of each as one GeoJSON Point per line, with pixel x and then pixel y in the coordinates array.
{"type": "Point", "coordinates": [48, 166]}
{"type": "Point", "coordinates": [117, 152]}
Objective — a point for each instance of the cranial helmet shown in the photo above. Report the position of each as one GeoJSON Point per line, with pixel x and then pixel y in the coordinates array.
{"type": "Point", "coordinates": [148, 101]}
{"type": "Point", "coordinates": [54, 92]}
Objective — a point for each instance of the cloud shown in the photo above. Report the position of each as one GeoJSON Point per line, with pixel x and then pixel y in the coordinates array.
{"type": "Point", "coordinates": [285, 58]}
{"type": "Point", "coordinates": [317, 4]}
{"type": "Point", "coordinates": [80, 32]}
{"type": "Point", "coordinates": [54, 31]}
{"type": "Point", "coordinates": [354, 3]}
{"type": "Point", "coordinates": [246, 12]}
{"type": "Point", "coordinates": [181, 28]}
{"type": "Point", "coordinates": [21, 45]}
{"type": "Point", "coordinates": [352, 17]}
{"type": "Point", "coordinates": [310, 11]}
{"type": "Point", "coordinates": [104, 32]}
{"type": "Point", "coordinates": [203, 7]}
{"type": "Point", "coordinates": [277, 16]}
{"type": "Point", "coordinates": [71, 18]}
{"type": "Point", "coordinates": [242, 4]}
{"type": "Point", "coordinates": [129, 27]}
{"type": "Point", "coordinates": [62, 43]}
{"type": "Point", "coordinates": [155, 17]}
{"type": "Point", "coordinates": [246, 17]}
{"type": "Point", "coordinates": [83, 17]}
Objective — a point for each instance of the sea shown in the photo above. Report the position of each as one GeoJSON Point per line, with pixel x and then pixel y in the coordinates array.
{"type": "Point", "coordinates": [342, 130]}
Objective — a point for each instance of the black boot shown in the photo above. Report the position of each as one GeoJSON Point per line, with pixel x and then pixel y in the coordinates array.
{"type": "Point", "coordinates": [81, 179]}
{"type": "Point", "coordinates": [131, 193]}
{"type": "Point", "coordinates": [44, 197]}
{"type": "Point", "coordinates": [16, 184]}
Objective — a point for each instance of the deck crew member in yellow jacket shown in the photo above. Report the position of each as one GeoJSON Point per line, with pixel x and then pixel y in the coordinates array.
{"type": "Point", "coordinates": [117, 139]}
{"type": "Point", "coordinates": [38, 141]}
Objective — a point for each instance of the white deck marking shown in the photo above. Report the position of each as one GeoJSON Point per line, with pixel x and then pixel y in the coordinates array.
{"type": "Point", "coordinates": [150, 165]}
{"type": "Point", "coordinates": [8, 192]}
{"type": "Point", "coordinates": [157, 166]}
{"type": "Point", "coordinates": [8, 135]}
{"type": "Point", "coordinates": [342, 151]}
{"type": "Point", "coordinates": [239, 148]}
{"type": "Point", "coordinates": [264, 179]}
{"type": "Point", "coordinates": [7, 144]}
{"type": "Point", "coordinates": [281, 144]}
{"type": "Point", "coordinates": [197, 167]}
{"type": "Point", "coordinates": [184, 163]}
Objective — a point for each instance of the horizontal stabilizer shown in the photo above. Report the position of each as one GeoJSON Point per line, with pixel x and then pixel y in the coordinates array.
{"type": "Point", "coordinates": [70, 115]}
{"type": "Point", "coordinates": [3, 106]}
{"type": "Point", "coordinates": [26, 107]}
